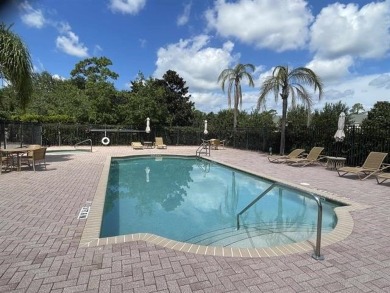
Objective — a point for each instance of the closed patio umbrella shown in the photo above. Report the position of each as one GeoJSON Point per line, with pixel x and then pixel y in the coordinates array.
{"type": "Point", "coordinates": [205, 127]}
{"type": "Point", "coordinates": [147, 130]}
{"type": "Point", "coordinates": [340, 135]}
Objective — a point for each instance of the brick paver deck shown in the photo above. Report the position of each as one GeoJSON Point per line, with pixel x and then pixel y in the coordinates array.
{"type": "Point", "coordinates": [40, 236]}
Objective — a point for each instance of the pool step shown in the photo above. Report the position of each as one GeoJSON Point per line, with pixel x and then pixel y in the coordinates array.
{"type": "Point", "coordinates": [256, 236]}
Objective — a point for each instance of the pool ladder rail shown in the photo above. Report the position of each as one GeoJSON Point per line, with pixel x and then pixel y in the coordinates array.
{"type": "Point", "coordinates": [204, 148]}
{"type": "Point", "coordinates": [84, 141]}
{"type": "Point", "coordinates": [317, 253]}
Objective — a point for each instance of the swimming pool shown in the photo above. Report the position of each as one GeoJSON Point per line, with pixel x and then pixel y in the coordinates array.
{"type": "Point", "coordinates": [196, 201]}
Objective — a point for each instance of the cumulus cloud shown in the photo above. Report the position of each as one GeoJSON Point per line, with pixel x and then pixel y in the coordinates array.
{"type": "Point", "coordinates": [331, 70]}
{"type": "Point", "coordinates": [196, 63]}
{"type": "Point", "coordinates": [127, 6]}
{"type": "Point", "coordinates": [209, 101]}
{"type": "Point", "coordinates": [30, 16]}
{"type": "Point", "coordinates": [185, 16]}
{"type": "Point", "coordinates": [58, 77]}
{"type": "Point", "coordinates": [341, 30]}
{"type": "Point", "coordinates": [69, 43]}
{"type": "Point", "coordinates": [273, 24]}
{"type": "Point", "coordinates": [344, 34]}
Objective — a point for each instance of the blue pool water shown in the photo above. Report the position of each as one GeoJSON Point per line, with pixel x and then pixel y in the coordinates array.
{"type": "Point", "coordinates": [197, 201]}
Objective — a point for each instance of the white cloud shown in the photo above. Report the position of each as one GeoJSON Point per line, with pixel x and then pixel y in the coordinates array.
{"type": "Point", "coordinates": [32, 17]}
{"type": "Point", "coordinates": [209, 101]}
{"type": "Point", "coordinates": [196, 63]}
{"type": "Point", "coordinates": [58, 77]}
{"type": "Point", "coordinates": [69, 43]}
{"type": "Point", "coordinates": [345, 30]}
{"type": "Point", "coordinates": [367, 90]}
{"type": "Point", "coordinates": [331, 70]}
{"type": "Point", "coordinates": [183, 18]}
{"type": "Point", "coordinates": [97, 50]}
{"type": "Point", "coordinates": [274, 24]}
{"type": "Point", "coordinates": [127, 6]}
{"type": "Point", "coordinates": [382, 81]}
{"type": "Point", "coordinates": [341, 30]}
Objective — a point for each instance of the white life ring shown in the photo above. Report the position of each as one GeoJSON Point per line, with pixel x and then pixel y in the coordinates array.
{"type": "Point", "coordinates": [105, 140]}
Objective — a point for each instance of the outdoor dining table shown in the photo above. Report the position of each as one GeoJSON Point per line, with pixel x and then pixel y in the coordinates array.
{"type": "Point", "coordinates": [18, 152]}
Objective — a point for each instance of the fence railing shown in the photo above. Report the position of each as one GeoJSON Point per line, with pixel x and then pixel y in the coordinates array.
{"type": "Point", "coordinates": [355, 147]}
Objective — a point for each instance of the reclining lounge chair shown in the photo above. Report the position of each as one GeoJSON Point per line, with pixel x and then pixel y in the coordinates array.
{"type": "Point", "coordinates": [372, 165]}
{"type": "Point", "coordinates": [137, 145]}
{"type": "Point", "coordinates": [282, 159]}
{"type": "Point", "coordinates": [312, 158]}
{"type": "Point", "coordinates": [382, 177]}
{"type": "Point", "coordinates": [159, 143]}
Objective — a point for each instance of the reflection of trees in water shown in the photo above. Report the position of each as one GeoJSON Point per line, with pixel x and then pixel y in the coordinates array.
{"type": "Point", "coordinates": [278, 230]}
{"type": "Point", "coordinates": [168, 180]}
{"type": "Point", "coordinates": [230, 203]}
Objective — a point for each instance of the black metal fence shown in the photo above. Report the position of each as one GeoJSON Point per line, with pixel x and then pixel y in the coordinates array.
{"type": "Point", "coordinates": [358, 143]}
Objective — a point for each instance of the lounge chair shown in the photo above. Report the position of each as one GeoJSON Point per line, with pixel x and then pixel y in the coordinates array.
{"type": "Point", "coordinates": [38, 156]}
{"type": "Point", "coordinates": [372, 165]}
{"type": "Point", "coordinates": [313, 157]}
{"type": "Point", "coordinates": [137, 145]}
{"type": "Point", "coordinates": [282, 159]}
{"type": "Point", "coordinates": [159, 143]}
{"type": "Point", "coordinates": [383, 177]}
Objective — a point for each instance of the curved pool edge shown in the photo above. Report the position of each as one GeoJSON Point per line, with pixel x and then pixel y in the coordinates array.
{"type": "Point", "coordinates": [90, 236]}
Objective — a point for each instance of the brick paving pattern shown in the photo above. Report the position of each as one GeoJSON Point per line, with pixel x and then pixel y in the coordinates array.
{"type": "Point", "coordinates": [40, 236]}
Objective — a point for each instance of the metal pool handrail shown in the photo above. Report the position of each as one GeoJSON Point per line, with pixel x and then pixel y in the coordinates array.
{"type": "Point", "coordinates": [317, 252]}
{"type": "Point", "coordinates": [90, 141]}
{"type": "Point", "coordinates": [252, 203]}
{"type": "Point", "coordinates": [205, 145]}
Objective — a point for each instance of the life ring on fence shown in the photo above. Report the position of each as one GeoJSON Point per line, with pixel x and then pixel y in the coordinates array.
{"type": "Point", "coordinates": [105, 140]}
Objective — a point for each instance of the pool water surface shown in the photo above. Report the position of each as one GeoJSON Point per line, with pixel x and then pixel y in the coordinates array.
{"type": "Point", "coordinates": [196, 201]}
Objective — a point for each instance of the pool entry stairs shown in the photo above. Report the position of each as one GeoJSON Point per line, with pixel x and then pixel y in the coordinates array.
{"type": "Point", "coordinates": [204, 148]}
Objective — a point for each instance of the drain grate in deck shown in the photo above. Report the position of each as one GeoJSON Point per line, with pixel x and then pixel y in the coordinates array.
{"type": "Point", "coordinates": [83, 213]}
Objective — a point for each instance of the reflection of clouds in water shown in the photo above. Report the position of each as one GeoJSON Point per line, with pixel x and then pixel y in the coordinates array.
{"type": "Point", "coordinates": [205, 193]}
{"type": "Point", "coordinates": [208, 190]}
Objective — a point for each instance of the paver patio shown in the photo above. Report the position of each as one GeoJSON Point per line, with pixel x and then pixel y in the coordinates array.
{"type": "Point", "coordinates": [40, 236]}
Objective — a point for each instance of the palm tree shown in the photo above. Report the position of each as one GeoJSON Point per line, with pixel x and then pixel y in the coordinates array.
{"type": "Point", "coordinates": [234, 77]}
{"type": "Point", "coordinates": [15, 64]}
{"type": "Point", "coordinates": [284, 82]}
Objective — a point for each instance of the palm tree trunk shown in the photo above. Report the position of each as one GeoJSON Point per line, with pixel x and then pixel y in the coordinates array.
{"type": "Point", "coordinates": [283, 126]}
{"type": "Point", "coordinates": [235, 110]}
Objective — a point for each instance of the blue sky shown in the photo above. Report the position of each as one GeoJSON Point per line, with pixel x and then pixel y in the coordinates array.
{"type": "Point", "coordinates": [346, 43]}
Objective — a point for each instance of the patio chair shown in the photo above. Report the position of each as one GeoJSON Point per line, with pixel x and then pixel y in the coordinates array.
{"type": "Point", "coordinates": [215, 143]}
{"type": "Point", "coordinates": [282, 159]}
{"type": "Point", "coordinates": [5, 161]}
{"type": "Point", "coordinates": [372, 165]}
{"type": "Point", "coordinates": [30, 153]}
{"type": "Point", "coordinates": [38, 156]}
{"type": "Point", "coordinates": [159, 143]}
{"type": "Point", "coordinates": [383, 177]}
{"type": "Point", "coordinates": [313, 157]}
{"type": "Point", "coordinates": [137, 145]}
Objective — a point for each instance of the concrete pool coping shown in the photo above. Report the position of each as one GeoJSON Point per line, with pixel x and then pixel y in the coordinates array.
{"type": "Point", "coordinates": [91, 232]}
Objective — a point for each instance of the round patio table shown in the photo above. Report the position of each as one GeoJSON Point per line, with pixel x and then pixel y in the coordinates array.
{"type": "Point", "coordinates": [334, 163]}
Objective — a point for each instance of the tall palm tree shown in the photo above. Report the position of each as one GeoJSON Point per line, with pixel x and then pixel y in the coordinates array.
{"type": "Point", "coordinates": [233, 77]}
{"type": "Point", "coordinates": [15, 64]}
{"type": "Point", "coordinates": [286, 82]}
